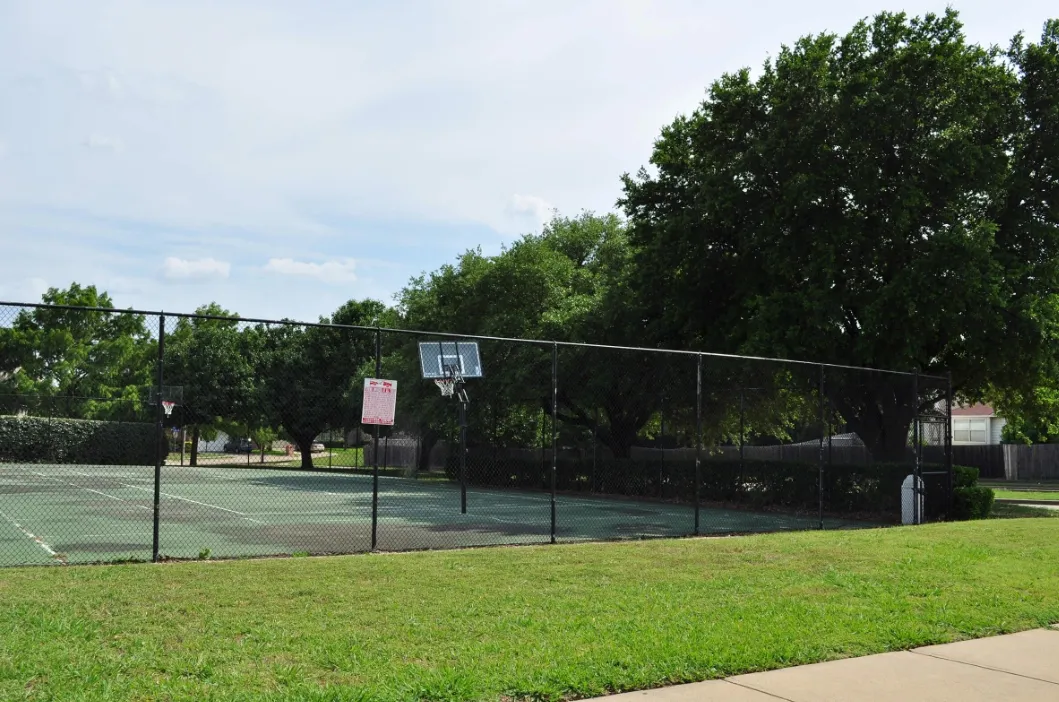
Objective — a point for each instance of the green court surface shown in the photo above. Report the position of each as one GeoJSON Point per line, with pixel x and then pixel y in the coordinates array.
{"type": "Point", "coordinates": [52, 514]}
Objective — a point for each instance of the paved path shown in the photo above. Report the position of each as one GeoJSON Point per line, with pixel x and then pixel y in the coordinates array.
{"type": "Point", "coordinates": [1016, 668]}
{"type": "Point", "coordinates": [1040, 504]}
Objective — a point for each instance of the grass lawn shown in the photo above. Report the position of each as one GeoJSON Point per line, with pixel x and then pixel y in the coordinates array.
{"type": "Point", "coordinates": [540, 622]}
{"type": "Point", "coordinates": [1006, 510]}
{"type": "Point", "coordinates": [345, 457]}
{"type": "Point", "coordinates": [1025, 495]}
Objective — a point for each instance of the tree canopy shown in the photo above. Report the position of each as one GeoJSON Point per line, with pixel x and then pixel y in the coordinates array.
{"type": "Point", "coordinates": [73, 363]}
{"type": "Point", "coordinates": [884, 199]}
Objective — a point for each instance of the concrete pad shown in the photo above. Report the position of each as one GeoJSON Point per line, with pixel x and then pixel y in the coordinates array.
{"type": "Point", "coordinates": [897, 677]}
{"type": "Point", "coordinates": [710, 691]}
{"type": "Point", "coordinates": [1034, 654]}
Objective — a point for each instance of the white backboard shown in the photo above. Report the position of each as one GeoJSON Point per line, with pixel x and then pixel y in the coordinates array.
{"type": "Point", "coordinates": [436, 356]}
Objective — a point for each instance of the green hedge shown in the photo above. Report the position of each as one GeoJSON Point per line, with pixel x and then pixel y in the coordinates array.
{"type": "Point", "coordinates": [974, 502]}
{"type": "Point", "coordinates": [85, 441]}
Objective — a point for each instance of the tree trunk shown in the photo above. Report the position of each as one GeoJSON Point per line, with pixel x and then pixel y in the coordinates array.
{"type": "Point", "coordinates": [894, 444]}
{"type": "Point", "coordinates": [194, 445]}
{"type": "Point", "coordinates": [428, 439]}
{"type": "Point", "coordinates": [620, 433]}
{"type": "Point", "coordinates": [881, 416]}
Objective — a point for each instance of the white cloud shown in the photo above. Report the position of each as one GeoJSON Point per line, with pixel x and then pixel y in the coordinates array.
{"type": "Point", "coordinates": [328, 272]}
{"type": "Point", "coordinates": [307, 127]}
{"type": "Point", "coordinates": [195, 269]}
{"type": "Point", "coordinates": [530, 205]}
{"type": "Point", "coordinates": [104, 141]}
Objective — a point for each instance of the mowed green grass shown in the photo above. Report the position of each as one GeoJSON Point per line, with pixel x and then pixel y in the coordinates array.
{"type": "Point", "coordinates": [1026, 495]}
{"type": "Point", "coordinates": [534, 623]}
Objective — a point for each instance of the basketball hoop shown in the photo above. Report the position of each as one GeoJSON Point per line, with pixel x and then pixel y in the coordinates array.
{"type": "Point", "coordinates": [167, 407]}
{"type": "Point", "coordinates": [447, 385]}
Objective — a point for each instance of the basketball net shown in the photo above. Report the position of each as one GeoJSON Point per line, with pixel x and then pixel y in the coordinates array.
{"type": "Point", "coordinates": [167, 407]}
{"type": "Point", "coordinates": [451, 382]}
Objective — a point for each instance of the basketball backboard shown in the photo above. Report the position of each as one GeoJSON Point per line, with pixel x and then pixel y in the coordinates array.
{"type": "Point", "coordinates": [437, 357]}
{"type": "Point", "coordinates": [170, 393]}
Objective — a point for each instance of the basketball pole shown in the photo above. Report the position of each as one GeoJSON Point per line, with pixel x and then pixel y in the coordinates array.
{"type": "Point", "coordinates": [463, 453]}
{"type": "Point", "coordinates": [458, 378]}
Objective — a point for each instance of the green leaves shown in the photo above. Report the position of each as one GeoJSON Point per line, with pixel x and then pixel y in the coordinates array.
{"type": "Point", "coordinates": [97, 362]}
{"type": "Point", "coordinates": [213, 360]}
{"type": "Point", "coordinates": [873, 199]}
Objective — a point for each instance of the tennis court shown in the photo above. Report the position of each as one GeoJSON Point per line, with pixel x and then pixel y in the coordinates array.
{"type": "Point", "coordinates": [76, 514]}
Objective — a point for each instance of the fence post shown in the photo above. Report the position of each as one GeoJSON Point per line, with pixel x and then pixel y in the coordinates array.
{"type": "Point", "coordinates": [698, 438]}
{"type": "Point", "coordinates": [595, 439]}
{"type": "Point", "coordinates": [159, 437]}
{"type": "Point", "coordinates": [662, 444]}
{"type": "Point", "coordinates": [555, 427]}
{"type": "Point", "coordinates": [742, 435]}
{"type": "Point", "coordinates": [463, 457]}
{"type": "Point", "coordinates": [375, 453]}
{"type": "Point", "coordinates": [948, 441]}
{"type": "Point", "coordinates": [824, 431]}
{"type": "Point", "coordinates": [916, 516]}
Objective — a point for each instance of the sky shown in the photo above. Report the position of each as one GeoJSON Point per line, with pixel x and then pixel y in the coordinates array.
{"type": "Point", "coordinates": [280, 158]}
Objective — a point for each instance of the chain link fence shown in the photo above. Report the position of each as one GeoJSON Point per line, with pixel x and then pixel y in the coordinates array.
{"type": "Point", "coordinates": [141, 436]}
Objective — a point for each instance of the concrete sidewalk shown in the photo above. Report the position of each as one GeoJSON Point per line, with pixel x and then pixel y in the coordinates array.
{"type": "Point", "coordinates": [1016, 668]}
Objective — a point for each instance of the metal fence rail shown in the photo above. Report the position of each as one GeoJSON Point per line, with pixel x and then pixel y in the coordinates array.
{"type": "Point", "coordinates": [136, 435]}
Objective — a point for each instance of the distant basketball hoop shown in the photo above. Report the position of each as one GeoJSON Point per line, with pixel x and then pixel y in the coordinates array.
{"type": "Point", "coordinates": [449, 364]}
{"type": "Point", "coordinates": [167, 407]}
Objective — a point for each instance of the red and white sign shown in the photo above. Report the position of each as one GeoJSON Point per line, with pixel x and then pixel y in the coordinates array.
{"type": "Point", "coordinates": [380, 402]}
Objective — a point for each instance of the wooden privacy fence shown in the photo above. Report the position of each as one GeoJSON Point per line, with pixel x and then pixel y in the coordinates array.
{"type": "Point", "coordinates": [989, 460]}
{"type": "Point", "coordinates": [1035, 462]}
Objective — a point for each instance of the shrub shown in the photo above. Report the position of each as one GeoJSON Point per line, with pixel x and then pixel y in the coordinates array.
{"type": "Point", "coordinates": [972, 502]}
{"type": "Point", "coordinates": [84, 441]}
{"type": "Point", "coordinates": [965, 476]}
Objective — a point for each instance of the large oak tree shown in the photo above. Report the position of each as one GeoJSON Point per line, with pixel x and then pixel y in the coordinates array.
{"type": "Point", "coordinates": [885, 198]}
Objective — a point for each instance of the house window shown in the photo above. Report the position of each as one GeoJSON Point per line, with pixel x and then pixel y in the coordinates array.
{"type": "Point", "coordinates": [970, 431]}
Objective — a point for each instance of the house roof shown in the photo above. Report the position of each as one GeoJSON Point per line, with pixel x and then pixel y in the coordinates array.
{"type": "Point", "coordinates": [976, 410]}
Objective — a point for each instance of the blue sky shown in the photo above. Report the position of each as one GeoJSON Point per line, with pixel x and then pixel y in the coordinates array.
{"type": "Point", "coordinates": [280, 158]}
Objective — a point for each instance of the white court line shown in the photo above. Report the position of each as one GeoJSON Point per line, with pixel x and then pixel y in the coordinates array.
{"type": "Point", "coordinates": [366, 510]}
{"type": "Point", "coordinates": [35, 539]}
{"type": "Point", "coordinates": [196, 502]}
{"type": "Point", "coordinates": [82, 487]}
{"type": "Point", "coordinates": [174, 497]}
